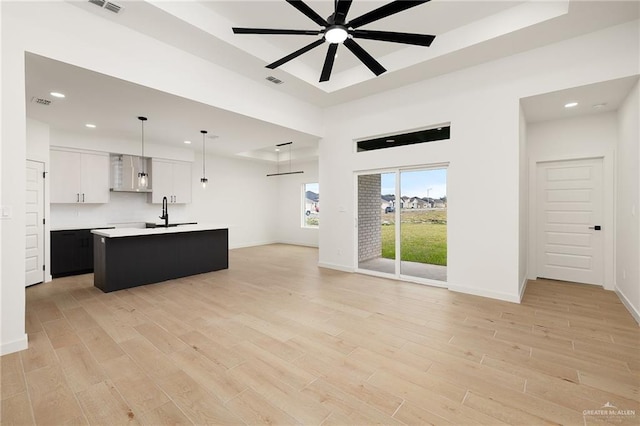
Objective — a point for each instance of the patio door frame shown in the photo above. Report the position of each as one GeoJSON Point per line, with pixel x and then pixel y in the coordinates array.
{"type": "Point", "coordinates": [397, 275]}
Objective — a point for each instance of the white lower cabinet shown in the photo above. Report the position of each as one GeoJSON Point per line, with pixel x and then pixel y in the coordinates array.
{"type": "Point", "coordinates": [171, 179]}
{"type": "Point", "coordinates": [79, 177]}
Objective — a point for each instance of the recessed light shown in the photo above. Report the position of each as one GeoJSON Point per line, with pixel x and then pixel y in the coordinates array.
{"type": "Point", "coordinates": [571, 105]}
{"type": "Point", "coordinates": [91, 126]}
{"type": "Point", "coordinates": [439, 128]}
{"type": "Point", "coordinates": [277, 149]}
{"type": "Point", "coordinates": [57, 94]}
{"type": "Point", "coordinates": [598, 106]}
{"type": "Point", "coordinates": [187, 142]}
{"type": "Point", "coordinates": [390, 140]}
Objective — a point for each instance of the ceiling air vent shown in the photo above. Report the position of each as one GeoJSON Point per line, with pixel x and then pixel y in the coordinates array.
{"type": "Point", "coordinates": [41, 101]}
{"type": "Point", "coordinates": [110, 6]}
{"type": "Point", "coordinates": [113, 7]}
{"type": "Point", "coordinates": [274, 80]}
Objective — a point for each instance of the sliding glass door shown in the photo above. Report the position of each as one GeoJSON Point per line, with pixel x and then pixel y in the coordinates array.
{"type": "Point", "coordinates": [423, 224]}
{"type": "Point", "coordinates": [402, 224]}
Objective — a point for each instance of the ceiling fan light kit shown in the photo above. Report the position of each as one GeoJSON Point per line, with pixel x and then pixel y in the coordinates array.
{"type": "Point", "coordinates": [337, 30]}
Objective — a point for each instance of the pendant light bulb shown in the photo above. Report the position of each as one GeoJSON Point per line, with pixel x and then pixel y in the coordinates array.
{"type": "Point", "coordinates": [143, 177]}
{"type": "Point", "coordinates": [203, 179]}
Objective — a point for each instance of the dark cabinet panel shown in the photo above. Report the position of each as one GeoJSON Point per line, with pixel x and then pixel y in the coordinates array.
{"type": "Point", "coordinates": [71, 252]}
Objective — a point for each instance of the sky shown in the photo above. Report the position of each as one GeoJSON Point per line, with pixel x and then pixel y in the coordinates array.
{"type": "Point", "coordinates": [417, 183]}
{"type": "Point", "coordinates": [314, 187]}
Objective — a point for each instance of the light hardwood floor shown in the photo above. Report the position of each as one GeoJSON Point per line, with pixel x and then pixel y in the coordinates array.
{"type": "Point", "coordinates": [277, 340]}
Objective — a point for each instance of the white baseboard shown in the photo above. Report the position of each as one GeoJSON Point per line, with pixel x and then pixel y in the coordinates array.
{"type": "Point", "coordinates": [15, 346]}
{"type": "Point", "coordinates": [523, 287]}
{"type": "Point", "coordinates": [336, 267]}
{"type": "Point", "coordinates": [252, 244]}
{"type": "Point", "coordinates": [627, 304]}
{"type": "Point", "coordinates": [266, 243]}
{"type": "Point", "coordinates": [507, 297]}
{"type": "Point", "coordinates": [297, 243]}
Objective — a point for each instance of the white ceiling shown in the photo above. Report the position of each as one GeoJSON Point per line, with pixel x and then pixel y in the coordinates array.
{"type": "Point", "coordinates": [592, 99]}
{"type": "Point", "coordinates": [113, 105]}
{"type": "Point", "coordinates": [467, 33]}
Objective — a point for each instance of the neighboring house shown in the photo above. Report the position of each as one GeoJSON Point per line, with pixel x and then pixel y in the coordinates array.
{"type": "Point", "coordinates": [311, 206]}
{"type": "Point", "coordinates": [404, 202]}
{"type": "Point", "coordinates": [384, 204]}
{"type": "Point", "coordinates": [438, 204]}
{"type": "Point", "coordinates": [417, 203]}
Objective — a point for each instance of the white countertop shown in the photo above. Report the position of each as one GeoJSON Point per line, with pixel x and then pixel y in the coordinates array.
{"type": "Point", "coordinates": [74, 227]}
{"type": "Point", "coordinates": [135, 232]}
{"type": "Point", "coordinates": [77, 227]}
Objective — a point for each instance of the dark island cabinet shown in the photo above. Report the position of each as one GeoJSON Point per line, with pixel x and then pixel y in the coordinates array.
{"type": "Point", "coordinates": [71, 252]}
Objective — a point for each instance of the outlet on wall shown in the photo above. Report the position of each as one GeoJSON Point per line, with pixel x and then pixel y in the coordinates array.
{"type": "Point", "coordinates": [6, 212]}
{"type": "Point", "coordinates": [339, 252]}
{"type": "Point", "coordinates": [624, 274]}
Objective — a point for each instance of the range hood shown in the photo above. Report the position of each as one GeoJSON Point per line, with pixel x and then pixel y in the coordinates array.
{"type": "Point", "coordinates": [124, 173]}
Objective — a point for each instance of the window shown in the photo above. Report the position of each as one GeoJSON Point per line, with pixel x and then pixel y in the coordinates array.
{"type": "Point", "coordinates": [310, 205]}
{"type": "Point", "coordinates": [429, 135]}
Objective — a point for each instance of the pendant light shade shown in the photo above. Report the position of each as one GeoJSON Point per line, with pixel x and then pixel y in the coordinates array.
{"type": "Point", "coordinates": [203, 179]}
{"type": "Point", "coordinates": [143, 177]}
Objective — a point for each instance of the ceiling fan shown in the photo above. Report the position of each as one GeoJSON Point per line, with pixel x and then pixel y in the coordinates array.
{"type": "Point", "coordinates": [337, 30]}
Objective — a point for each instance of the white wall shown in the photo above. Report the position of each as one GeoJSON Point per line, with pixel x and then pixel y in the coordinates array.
{"type": "Point", "coordinates": [239, 195]}
{"type": "Point", "coordinates": [628, 204]}
{"type": "Point", "coordinates": [482, 104]}
{"type": "Point", "coordinates": [290, 204]}
{"type": "Point", "coordinates": [591, 136]}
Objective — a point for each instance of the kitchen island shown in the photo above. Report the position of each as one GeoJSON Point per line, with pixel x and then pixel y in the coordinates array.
{"type": "Point", "coordinates": [130, 257]}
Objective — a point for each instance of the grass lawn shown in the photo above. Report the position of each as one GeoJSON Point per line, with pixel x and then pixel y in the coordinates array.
{"type": "Point", "coordinates": [423, 237]}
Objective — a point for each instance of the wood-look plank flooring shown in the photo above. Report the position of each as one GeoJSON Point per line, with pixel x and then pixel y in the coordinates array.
{"type": "Point", "coordinates": [276, 340]}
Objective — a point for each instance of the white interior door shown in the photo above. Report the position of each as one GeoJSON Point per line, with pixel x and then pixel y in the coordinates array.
{"type": "Point", "coordinates": [34, 223]}
{"type": "Point", "coordinates": [570, 239]}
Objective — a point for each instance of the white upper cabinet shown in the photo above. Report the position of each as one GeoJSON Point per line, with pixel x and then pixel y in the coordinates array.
{"type": "Point", "coordinates": [79, 177]}
{"type": "Point", "coordinates": [171, 179]}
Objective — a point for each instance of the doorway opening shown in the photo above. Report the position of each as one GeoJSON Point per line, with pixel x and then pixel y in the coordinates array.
{"type": "Point", "coordinates": [402, 224]}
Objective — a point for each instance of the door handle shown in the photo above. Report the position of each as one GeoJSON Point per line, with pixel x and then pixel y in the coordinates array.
{"type": "Point", "coordinates": [596, 227]}
{"type": "Point", "coordinates": [77, 197]}
{"type": "Point", "coordinates": [83, 197]}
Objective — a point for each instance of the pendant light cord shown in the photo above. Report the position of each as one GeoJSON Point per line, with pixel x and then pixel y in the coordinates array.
{"type": "Point", "coordinates": [204, 132]}
{"type": "Point", "coordinates": [144, 166]}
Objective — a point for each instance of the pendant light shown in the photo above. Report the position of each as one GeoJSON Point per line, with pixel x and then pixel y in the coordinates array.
{"type": "Point", "coordinates": [278, 160]}
{"type": "Point", "coordinates": [143, 177]}
{"type": "Point", "coordinates": [203, 179]}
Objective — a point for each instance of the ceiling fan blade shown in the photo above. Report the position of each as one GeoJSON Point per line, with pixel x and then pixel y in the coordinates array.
{"type": "Point", "coordinates": [366, 59]}
{"type": "Point", "coordinates": [384, 11]}
{"type": "Point", "coordinates": [295, 54]}
{"type": "Point", "coordinates": [328, 62]}
{"type": "Point", "coordinates": [310, 13]}
{"type": "Point", "coordinates": [406, 38]}
{"type": "Point", "coordinates": [274, 31]}
{"type": "Point", "coordinates": [342, 8]}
